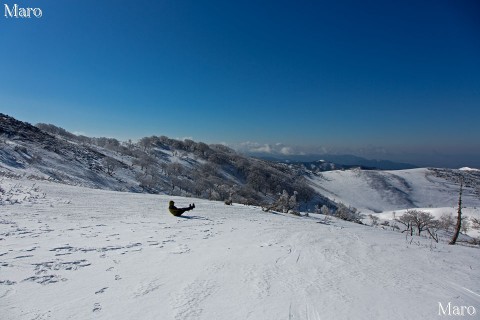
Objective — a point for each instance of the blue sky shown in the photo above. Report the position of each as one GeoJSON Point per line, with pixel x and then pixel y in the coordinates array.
{"type": "Point", "coordinates": [396, 80]}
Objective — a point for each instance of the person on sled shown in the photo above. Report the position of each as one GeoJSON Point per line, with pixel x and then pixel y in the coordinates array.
{"type": "Point", "coordinates": [178, 211]}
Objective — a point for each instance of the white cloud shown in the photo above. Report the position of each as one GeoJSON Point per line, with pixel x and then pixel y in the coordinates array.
{"type": "Point", "coordinates": [249, 146]}
{"type": "Point", "coordinates": [264, 148]}
{"type": "Point", "coordinates": [277, 148]}
{"type": "Point", "coordinates": [286, 151]}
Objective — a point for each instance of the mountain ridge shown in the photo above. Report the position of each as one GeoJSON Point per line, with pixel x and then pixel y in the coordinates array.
{"type": "Point", "coordinates": [155, 164]}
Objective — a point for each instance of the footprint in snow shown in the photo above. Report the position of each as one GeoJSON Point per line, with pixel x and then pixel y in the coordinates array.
{"type": "Point", "coordinates": [181, 249]}
{"type": "Point", "coordinates": [147, 288]}
{"type": "Point", "coordinates": [101, 290]}
{"type": "Point", "coordinates": [97, 307]}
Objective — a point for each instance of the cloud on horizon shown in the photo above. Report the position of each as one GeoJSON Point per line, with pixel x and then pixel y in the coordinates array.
{"type": "Point", "coordinates": [266, 148]}
{"type": "Point", "coordinates": [422, 157]}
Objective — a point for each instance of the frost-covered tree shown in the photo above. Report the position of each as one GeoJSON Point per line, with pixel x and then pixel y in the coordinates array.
{"type": "Point", "coordinates": [374, 219]}
{"type": "Point", "coordinates": [144, 161]}
{"type": "Point", "coordinates": [228, 192]}
{"type": "Point", "coordinates": [283, 201]}
{"type": "Point", "coordinates": [348, 213]}
{"type": "Point", "coordinates": [145, 143]}
{"type": "Point", "coordinates": [325, 210]}
{"type": "Point", "coordinates": [174, 169]}
{"type": "Point", "coordinates": [292, 202]}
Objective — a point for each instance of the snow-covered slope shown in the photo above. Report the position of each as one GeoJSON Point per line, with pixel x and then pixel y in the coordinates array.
{"type": "Point", "coordinates": [155, 164]}
{"type": "Point", "coordinates": [76, 253]}
{"type": "Point", "coordinates": [379, 191]}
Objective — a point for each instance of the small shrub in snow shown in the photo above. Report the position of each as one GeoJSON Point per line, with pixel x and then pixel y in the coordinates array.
{"type": "Point", "coordinates": [326, 212]}
{"type": "Point", "coordinates": [465, 224]}
{"type": "Point", "coordinates": [15, 194]}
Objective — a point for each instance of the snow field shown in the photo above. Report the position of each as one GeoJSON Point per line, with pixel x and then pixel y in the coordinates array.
{"type": "Point", "coordinates": [81, 253]}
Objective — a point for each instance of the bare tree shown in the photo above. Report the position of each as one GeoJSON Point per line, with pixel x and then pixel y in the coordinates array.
{"type": "Point", "coordinates": [144, 161]}
{"type": "Point", "coordinates": [406, 221]}
{"type": "Point", "coordinates": [433, 229]}
{"type": "Point", "coordinates": [447, 222]}
{"type": "Point", "coordinates": [459, 216]}
{"type": "Point", "coordinates": [420, 220]}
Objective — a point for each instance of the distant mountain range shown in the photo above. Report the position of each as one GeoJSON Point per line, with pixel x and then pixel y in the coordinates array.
{"type": "Point", "coordinates": [341, 161]}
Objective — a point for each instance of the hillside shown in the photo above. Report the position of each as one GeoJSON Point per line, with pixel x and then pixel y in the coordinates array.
{"type": "Point", "coordinates": [151, 165]}
{"type": "Point", "coordinates": [379, 191]}
{"type": "Point", "coordinates": [77, 253]}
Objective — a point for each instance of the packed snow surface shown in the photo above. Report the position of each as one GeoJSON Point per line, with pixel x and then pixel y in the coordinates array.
{"type": "Point", "coordinates": [76, 253]}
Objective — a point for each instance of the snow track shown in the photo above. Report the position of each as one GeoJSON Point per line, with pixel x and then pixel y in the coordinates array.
{"type": "Point", "coordinates": [91, 254]}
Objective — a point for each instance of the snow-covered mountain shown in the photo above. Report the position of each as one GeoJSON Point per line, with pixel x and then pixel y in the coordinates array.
{"type": "Point", "coordinates": [68, 252]}
{"type": "Point", "coordinates": [152, 165]}
{"type": "Point", "coordinates": [194, 169]}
